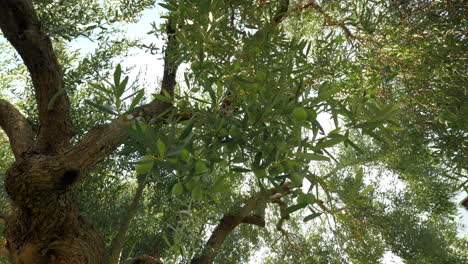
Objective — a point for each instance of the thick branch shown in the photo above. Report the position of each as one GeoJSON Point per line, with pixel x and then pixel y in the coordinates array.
{"type": "Point", "coordinates": [254, 220]}
{"type": "Point", "coordinates": [102, 140]}
{"type": "Point", "coordinates": [96, 145]}
{"type": "Point", "coordinates": [169, 78]}
{"type": "Point", "coordinates": [17, 128]}
{"type": "Point", "coordinates": [229, 222]}
{"type": "Point", "coordinates": [21, 27]}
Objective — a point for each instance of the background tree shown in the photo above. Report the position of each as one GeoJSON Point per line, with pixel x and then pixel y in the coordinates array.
{"type": "Point", "coordinates": [236, 153]}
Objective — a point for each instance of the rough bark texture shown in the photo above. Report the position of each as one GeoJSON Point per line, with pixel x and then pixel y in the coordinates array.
{"type": "Point", "coordinates": [22, 29]}
{"type": "Point", "coordinates": [45, 225]}
{"type": "Point", "coordinates": [17, 128]}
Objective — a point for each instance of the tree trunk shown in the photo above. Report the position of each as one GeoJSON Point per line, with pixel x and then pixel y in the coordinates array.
{"type": "Point", "coordinates": [45, 225]}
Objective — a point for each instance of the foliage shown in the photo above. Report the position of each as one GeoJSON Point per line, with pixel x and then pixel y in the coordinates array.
{"type": "Point", "coordinates": [250, 113]}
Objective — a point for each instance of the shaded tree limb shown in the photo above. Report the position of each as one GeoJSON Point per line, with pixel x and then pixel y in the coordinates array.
{"type": "Point", "coordinates": [102, 140]}
{"type": "Point", "coordinates": [21, 27]}
{"type": "Point", "coordinates": [329, 20]}
{"type": "Point", "coordinates": [230, 221]}
{"type": "Point", "coordinates": [119, 240]}
{"type": "Point", "coordinates": [169, 77]}
{"type": "Point", "coordinates": [17, 128]}
{"type": "Point", "coordinates": [254, 220]}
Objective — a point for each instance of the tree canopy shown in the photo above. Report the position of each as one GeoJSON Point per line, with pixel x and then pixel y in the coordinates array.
{"type": "Point", "coordinates": [289, 131]}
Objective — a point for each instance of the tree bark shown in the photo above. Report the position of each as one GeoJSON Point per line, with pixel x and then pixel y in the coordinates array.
{"type": "Point", "coordinates": [17, 128]}
{"type": "Point", "coordinates": [45, 225]}
{"type": "Point", "coordinates": [21, 27]}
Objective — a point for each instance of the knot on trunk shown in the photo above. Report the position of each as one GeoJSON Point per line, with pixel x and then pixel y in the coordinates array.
{"type": "Point", "coordinates": [69, 177]}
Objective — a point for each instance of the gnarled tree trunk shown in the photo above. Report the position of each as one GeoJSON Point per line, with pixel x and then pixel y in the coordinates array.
{"type": "Point", "coordinates": [45, 225]}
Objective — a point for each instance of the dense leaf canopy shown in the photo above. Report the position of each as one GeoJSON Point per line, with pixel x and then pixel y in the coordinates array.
{"type": "Point", "coordinates": [290, 131]}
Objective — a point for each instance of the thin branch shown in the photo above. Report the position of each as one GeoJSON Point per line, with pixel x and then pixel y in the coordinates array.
{"type": "Point", "coordinates": [119, 240]}
{"type": "Point", "coordinates": [21, 27]}
{"type": "Point", "coordinates": [17, 128]}
{"type": "Point", "coordinates": [329, 20]}
{"type": "Point", "coordinates": [281, 13]}
{"type": "Point", "coordinates": [279, 16]}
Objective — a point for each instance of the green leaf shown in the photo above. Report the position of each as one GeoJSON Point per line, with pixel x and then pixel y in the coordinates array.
{"type": "Point", "coordinates": [359, 176]}
{"type": "Point", "coordinates": [197, 193]}
{"type": "Point", "coordinates": [386, 112]}
{"type": "Point", "coordinates": [168, 6]}
{"type": "Point", "coordinates": [240, 169]}
{"type": "Point", "coordinates": [144, 165]}
{"type": "Point", "coordinates": [150, 139]}
{"type": "Point", "coordinates": [136, 100]}
{"type": "Point", "coordinates": [311, 216]}
{"type": "Point", "coordinates": [162, 98]}
{"type": "Point", "coordinates": [329, 143]}
{"type": "Point", "coordinates": [177, 189]}
{"type": "Point", "coordinates": [117, 75]}
{"type": "Point", "coordinates": [306, 198]}
{"type": "Point", "coordinates": [103, 108]}
{"type": "Point", "coordinates": [313, 156]}
{"type": "Point", "coordinates": [121, 88]}
{"type": "Point", "coordinates": [187, 128]}
{"type": "Point", "coordinates": [161, 147]}
{"type": "Point", "coordinates": [294, 208]}
{"type": "Point", "coordinates": [326, 92]}
{"type": "Point", "coordinates": [297, 179]}
{"type": "Point", "coordinates": [354, 146]}
{"type": "Point", "coordinates": [200, 167]}
{"type": "Point", "coordinates": [101, 88]}
{"type": "Point", "coordinates": [366, 190]}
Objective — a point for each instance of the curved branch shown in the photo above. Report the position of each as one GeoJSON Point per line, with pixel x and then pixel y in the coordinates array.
{"type": "Point", "coordinates": [17, 128]}
{"type": "Point", "coordinates": [329, 20]}
{"type": "Point", "coordinates": [21, 27]}
{"type": "Point", "coordinates": [229, 222]}
{"type": "Point", "coordinates": [102, 140]}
